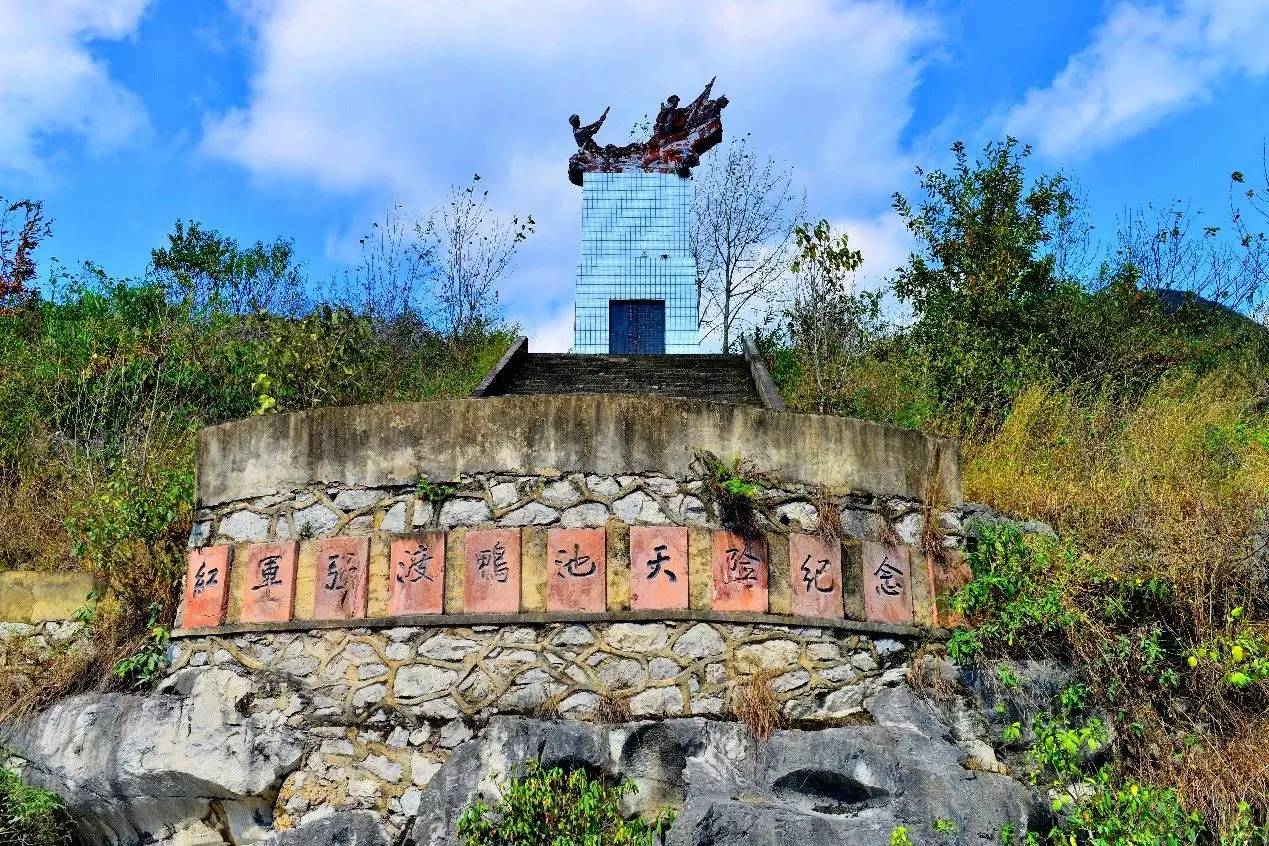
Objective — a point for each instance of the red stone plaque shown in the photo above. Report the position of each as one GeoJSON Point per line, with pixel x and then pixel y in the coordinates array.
{"type": "Point", "coordinates": [206, 587]}
{"type": "Point", "coordinates": [576, 570]}
{"type": "Point", "coordinates": [658, 567]}
{"type": "Point", "coordinates": [739, 573]}
{"type": "Point", "coordinates": [416, 574]}
{"type": "Point", "coordinates": [342, 578]}
{"type": "Point", "coordinates": [268, 585]}
{"type": "Point", "coordinates": [887, 583]}
{"type": "Point", "coordinates": [815, 573]}
{"type": "Point", "coordinates": [492, 580]}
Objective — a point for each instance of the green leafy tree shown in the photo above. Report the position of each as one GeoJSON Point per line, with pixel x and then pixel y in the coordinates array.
{"type": "Point", "coordinates": [983, 283]}
{"type": "Point", "coordinates": [213, 271]}
{"type": "Point", "coordinates": [829, 325]}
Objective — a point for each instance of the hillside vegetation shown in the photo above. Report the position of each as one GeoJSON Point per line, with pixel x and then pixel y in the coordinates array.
{"type": "Point", "coordinates": [1121, 399]}
{"type": "Point", "coordinates": [1132, 416]}
{"type": "Point", "coordinates": [104, 384]}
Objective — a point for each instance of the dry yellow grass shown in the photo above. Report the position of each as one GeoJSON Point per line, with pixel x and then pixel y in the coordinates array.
{"type": "Point", "coordinates": [1165, 497]}
{"type": "Point", "coordinates": [755, 704]}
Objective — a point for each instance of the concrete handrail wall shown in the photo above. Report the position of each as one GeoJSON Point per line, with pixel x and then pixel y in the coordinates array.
{"type": "Point", "coordinates": [396, 443]}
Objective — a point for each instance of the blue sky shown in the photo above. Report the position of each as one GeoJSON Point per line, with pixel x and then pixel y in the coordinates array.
{"type": "Point", "coordinates": [306, 118]}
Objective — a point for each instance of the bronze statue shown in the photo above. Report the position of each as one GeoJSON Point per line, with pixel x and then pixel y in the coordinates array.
{"type": "Point", "coordinates": [585, 135]}
{"type": "Point", "coordinates": [679, 137]}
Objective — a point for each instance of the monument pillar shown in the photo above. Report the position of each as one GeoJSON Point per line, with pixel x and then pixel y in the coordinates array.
{"type": "Point", "coordinates": [636, 277]}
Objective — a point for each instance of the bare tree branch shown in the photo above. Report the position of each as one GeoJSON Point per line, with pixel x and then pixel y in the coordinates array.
{"type": "Point", "coordinates": [472, 249]}
{"type": "Point", "coordinates": [741, 235]}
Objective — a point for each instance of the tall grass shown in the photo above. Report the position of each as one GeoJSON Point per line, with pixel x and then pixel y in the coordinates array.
{"type": "Point", "coordinates": [1161, 501]}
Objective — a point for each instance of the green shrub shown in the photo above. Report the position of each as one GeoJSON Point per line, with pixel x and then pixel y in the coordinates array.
{"type": "Point", "coordinates": [734, 486]}
{"type": "Point", "coordinates": [1014, 600]}
{"type": "Point", "coordinates": [548, 807]}
{"type": "Point", "coordinates": [30, 816]}
{"type": "Point", "coordinates": [1126, 813]}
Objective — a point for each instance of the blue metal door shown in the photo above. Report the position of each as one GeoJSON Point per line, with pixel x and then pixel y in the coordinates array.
{"type": "Point", "coordinates": [636, 327]}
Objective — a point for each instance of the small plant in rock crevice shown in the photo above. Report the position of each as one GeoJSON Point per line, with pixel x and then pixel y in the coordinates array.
{"type": "Point", "coordinates": [433, 492]}
{"type": "Point", "coordinates": [735, 488]}
{"type": "Point", "coordinates": [755, 704]}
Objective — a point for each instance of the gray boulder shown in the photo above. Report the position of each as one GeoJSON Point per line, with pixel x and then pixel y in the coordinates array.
{"type": "Point", "coordinates": [843, 785]}
{"type": "Point", "coordinates": [150, 768]}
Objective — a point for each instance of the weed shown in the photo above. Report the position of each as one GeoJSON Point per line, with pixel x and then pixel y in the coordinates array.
{"type": "Point", "coordinates": [1013, 600]}
{"type": "Point", "coordinates": [755, 704]}
{"type": "Point", "coordinates": [433, 492]}
{"type": "Point", "coordinates": [945, 826]}
{"type": "Point", "coordinates": [899, 836]}
{"type": "Point", "coordinates": [612, 710]}
{"type": "Point", "coordinates": [141, 667]}
{"type": "Point", "coordinates": [30, 816]}
{"type": "Point", "coordinates": [734, 487]}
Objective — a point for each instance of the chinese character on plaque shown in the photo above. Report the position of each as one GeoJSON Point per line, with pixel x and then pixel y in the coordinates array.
{"type": "Point", "coordinates": [268, 585]}
{"type": "Point", "coordinates": [416, 574]}
{"type": "Point", "coordinates": [492, 578]}
{"type": "Point", "coordinates": [576, 570]}
{"type": "Point", "coordinates": [739, 572]}
{"type": "Point", "coordinates": [343, 578]}
{"type": "Point", "coordinates": [206, 587]}
{"type": "Point", "coordinates": [815, 574]}
{"type": "Point", "coordinates": [658, 567]}
{"type": "Point", "coordinates": [887, 572]}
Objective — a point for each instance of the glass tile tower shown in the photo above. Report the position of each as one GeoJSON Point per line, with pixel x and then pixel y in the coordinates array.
{"type": "Point", "coordinates": [635, 254]}
{"type": "Point", "coordinates": [636, 279]}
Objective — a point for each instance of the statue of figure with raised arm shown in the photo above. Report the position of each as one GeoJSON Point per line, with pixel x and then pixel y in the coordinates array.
{"type": "Point", "coordinates": [679, 137]}
{"type": "Point", "coordinates": [585, 135]}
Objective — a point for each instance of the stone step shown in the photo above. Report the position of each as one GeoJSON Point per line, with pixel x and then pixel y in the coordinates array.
{"type": "Point", "coordinates": [717, 378]}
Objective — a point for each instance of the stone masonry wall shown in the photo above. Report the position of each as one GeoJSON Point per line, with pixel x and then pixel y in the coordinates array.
{"type": "Point", "coordinates": [380, 710]}
{"type": "Point", "coordinates": [535, 505]}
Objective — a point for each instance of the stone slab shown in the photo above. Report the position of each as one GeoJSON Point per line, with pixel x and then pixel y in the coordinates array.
{"type": "Point", "coordinates": [779, 594]}
{"type": "Point", "coordinates": [342, 579]}
{"type": "Point", "coordinates": [658, 567]}
{"type": "Point", "coordinates": [576, 574]}
{"type": "Point", "coordinates": [206, 586]}
{"type": "Point", "coordinates": [887, 580]}
{"type": "Point", "coordinates": [416, 576]}
{"type": "Point", "coordinates": [815, 575]}
{"type": "Point", "coordinates": [618, 565]}
{"type": "Point", "coordinates": [739, 573]}
{"type": "Point", "coordinates": [491, 582]}
{"type": "Point", "coordinates": [268, 587]}
{"type": "Point", "coordinates": [393, 443]}
{"type": "Point", "coordinates": [31, 596]}
{"type": "Point", "coordinates": [533, 568]}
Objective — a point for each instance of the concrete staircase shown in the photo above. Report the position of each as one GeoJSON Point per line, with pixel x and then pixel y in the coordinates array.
{"type": "Point", "coordinates": [734, 379]}
{"type": "Point", "coordinates": [717, 378]}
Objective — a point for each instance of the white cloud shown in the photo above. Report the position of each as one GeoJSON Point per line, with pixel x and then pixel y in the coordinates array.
{"type": "Point", "coordinates": [50, 83]}
{"type": "Point", "coordinates": [402, 99]}
{"type": "Point", "coordinates": [1144, 63]}
{"type": "Point", "coordinates": [552, 331]}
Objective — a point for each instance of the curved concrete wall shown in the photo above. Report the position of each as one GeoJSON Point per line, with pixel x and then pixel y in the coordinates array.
{"type": "Point", "coordinates": [396, 443]}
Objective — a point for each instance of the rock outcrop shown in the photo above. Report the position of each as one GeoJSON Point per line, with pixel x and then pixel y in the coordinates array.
{"type": "Point", "coordinates": [202, 761]}
{"type": "Point", "coordinates": [847, 785]}
{"type": "Point", "coordinates": [184, 765]}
